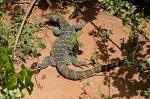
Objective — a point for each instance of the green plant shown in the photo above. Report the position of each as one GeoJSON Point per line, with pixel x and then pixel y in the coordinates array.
{"type": "Point", "coordinates": [130, 16]}
{"type": "Point", "coordinates": [75, 39]}
{"type": "Point", "coordinates": [10, 94]}
{"type": "Point", "coordinates": [28, 42]}
{"type": "Point", "coordinates": [8, 77]}
{"type": "Point", "coordinates": [147, 93]}
{"type": "Point", "coordinates": [128, 13]}
{"type": "Point", "coordinates": [94, 58]}
{"type": "Point", "coordinates": [76, 43]}
{"type": "Point", "coordinates": [143, 67]}
{"type": "Point", "coordinates": [105, 33]}
{"type": "Point", "coordinates": [1, 1]}
{"type": "Point", "coordinates": [5, 3]}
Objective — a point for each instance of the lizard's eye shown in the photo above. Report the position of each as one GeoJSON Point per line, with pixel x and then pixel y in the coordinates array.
{"type": "Point", "coordinates": [38, 67]}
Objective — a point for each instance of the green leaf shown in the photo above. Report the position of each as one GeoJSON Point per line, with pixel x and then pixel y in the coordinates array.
{"type": "Point", "coordinates": [76, 43]}
{"type": "Point", "coordinates": [1, 1]}
{"type": "Point", "coordinates": [4, 59]}
{"type": "Point", "coordinates": [94, 58]}
{"type": "Point", "coordinates": [147, 93]}
{"type": "Point", "coordinates": [20, 79]}
{"type": "Point", "coordinates": [26, 79]}
{"type": "Point", "coordinates": [81, 45]}
{"type": "Point", "coordinates": [34, 52]}
{"type": "Point", "coordinates": [22, 56]}
{"type": "Point", "coordinates": [8, 51]}
{"type": "Point", "coordinates": [40, 43]}
{"type": "Point", "coordinates": [75, 38]}
{"type": "Point", "coordinates": [9, 67]}
{"type": "Point", "coordinates": [11, 40]}
{"type": "Point", "coordinates": [11, 83]}
{"type": "Point", "coordinates": [127, 21]}
{"type": "Point", "coordinates": [26, 50]}
{"type": "Point", "coordinates": [78, 34]}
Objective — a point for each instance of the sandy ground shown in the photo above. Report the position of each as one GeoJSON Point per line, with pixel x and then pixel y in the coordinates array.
{"type": "Point", "coordinates": [120, 83]}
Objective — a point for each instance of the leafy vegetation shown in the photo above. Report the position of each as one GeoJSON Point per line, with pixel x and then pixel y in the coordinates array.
{"type": "Point", "coordinates": [94, 58]}
{"type": "Point", "coordinates": [6, 3]}
{"type": "Point", "coordinates": [28, 42]}
{"type": "Point", "coordinates": [10, 94]}
{"type": "Point", "coordinates": [147, 93]}
{"type": "Point", "coordinates": [76, 43]}
{"type": "Point", "coordinates": [11, 80]}
{"type": "Point", "coordinates": [128, 13]}
{"type": "Point", "coordinates": [1, 1]}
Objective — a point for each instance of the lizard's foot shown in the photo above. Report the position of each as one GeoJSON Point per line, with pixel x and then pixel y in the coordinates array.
{"type": "Point", "coordinates": [41, 66]}
{"type": "Point", "coordinates": [46, 62]}
{"type": "Point", "coordinates": [80, 64]}
{"type": "Point", "coordinates": [77, 63]}
{"type": "Point", "coordinates": [79, 25]}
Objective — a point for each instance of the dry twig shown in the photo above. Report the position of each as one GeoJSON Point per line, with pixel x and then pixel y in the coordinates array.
{"type": "Point", "coordinates": [22, 24]}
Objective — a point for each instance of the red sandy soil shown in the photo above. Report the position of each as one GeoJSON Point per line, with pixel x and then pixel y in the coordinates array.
{"type": "Point", "coordinates": [120, 83]}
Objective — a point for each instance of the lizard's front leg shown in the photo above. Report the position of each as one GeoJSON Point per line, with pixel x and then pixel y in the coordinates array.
{"type": "Point", "coordinates": [56, 30]}
{"type": "Point", "coordinates": [46, 62]}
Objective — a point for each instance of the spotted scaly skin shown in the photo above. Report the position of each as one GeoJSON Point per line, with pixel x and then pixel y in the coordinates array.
{"type": "Point", "coordinates": [62, 48]}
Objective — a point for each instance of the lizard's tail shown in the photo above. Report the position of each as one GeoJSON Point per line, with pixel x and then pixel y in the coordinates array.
{"type": "Point", "coordinates": [77, 75]}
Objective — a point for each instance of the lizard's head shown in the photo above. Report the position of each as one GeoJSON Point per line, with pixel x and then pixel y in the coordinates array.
{"type": "Point", "coordinates": [52, 16]}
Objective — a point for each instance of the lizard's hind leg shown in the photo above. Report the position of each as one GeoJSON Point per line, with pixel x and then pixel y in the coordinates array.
{"type": "Point", "coordinates": [77, 63]}
{"type": "Point", "coordinates": [79, 25]}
